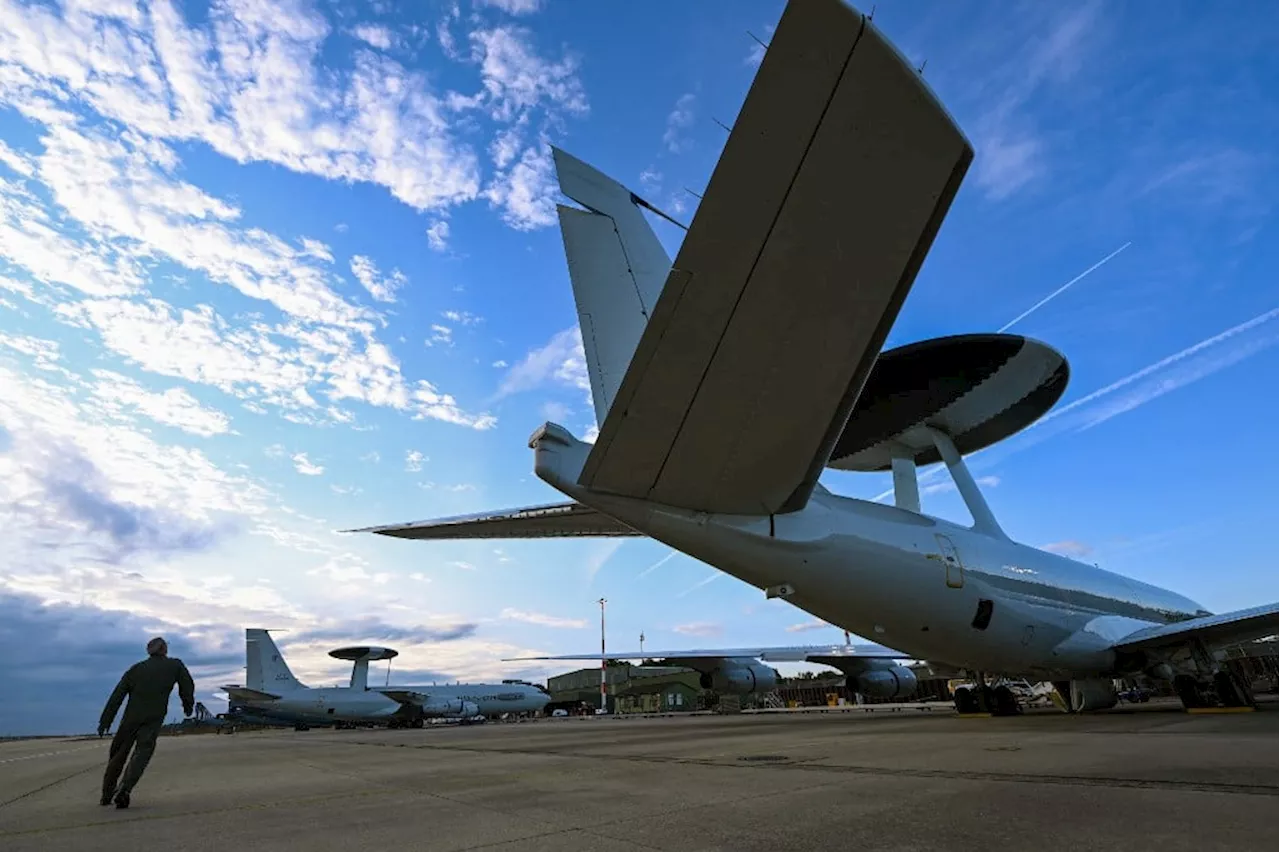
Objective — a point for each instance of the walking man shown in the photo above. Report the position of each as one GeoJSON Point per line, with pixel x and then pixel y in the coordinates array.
{"type": "Point", "coordinates": [148, 685]}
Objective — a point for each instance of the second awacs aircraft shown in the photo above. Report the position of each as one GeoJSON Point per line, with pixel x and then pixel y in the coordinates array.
{"type": "Point", "coordinates": [726, 382]}
{"type": "Point", "coordinates": [271, 693]}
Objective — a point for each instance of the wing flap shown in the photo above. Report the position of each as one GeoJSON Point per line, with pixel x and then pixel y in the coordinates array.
{"type": "Point", "coordinates": [1216, 631]}
{"type": "Point", "coordinates": [555, 520]}
{"type": "Point", "coordinates": [830, 189]}
{"type": "Point", "coordinates": [404, 696]}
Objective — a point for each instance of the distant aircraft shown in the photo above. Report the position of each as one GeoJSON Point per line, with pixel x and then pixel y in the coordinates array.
{"type": "Point", "coordinates": [726, 382]}
{"type": "Point", "coordinates": [272, 692]}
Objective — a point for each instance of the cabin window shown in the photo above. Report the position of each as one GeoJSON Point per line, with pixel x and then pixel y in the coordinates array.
{"type": "Point", "coordinates": [982, 617]}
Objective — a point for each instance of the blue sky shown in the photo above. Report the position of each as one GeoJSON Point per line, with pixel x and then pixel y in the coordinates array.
{"type": "Point", "coordinates": [270, 270]}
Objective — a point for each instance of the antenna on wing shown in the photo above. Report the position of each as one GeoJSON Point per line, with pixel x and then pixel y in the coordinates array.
{"type": "Point", "coordinates": [723, 126]}
{"type": "Point", "coordinates": [635, 199]}
{"type": "Point", "coordinates": [757, 40]}
{"type": "Point", "coordinates": [694, 194]}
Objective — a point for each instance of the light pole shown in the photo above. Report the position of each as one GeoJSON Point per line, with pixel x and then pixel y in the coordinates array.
{"type": "Point", "coordinates": [642, 643]}
{"type": "Point", "coordinates": [603, 704]}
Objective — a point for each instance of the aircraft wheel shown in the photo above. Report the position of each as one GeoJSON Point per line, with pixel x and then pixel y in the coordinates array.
{"type": "Point", "coordinates": [1004, 702]}
{"type": "Point", "coordinates": [966, 701]}
{"type": "Point", "coordinates": [1231, 691]}
{"type": "Point", "coordinates": [1188, 691]}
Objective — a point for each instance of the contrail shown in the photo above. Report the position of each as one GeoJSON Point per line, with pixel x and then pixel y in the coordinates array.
{"type": "Point", "coordinates": [1038, 305]}
{"type": "Point", "coordinates": [663, 561]}
{"type": "Point", "coordinates": [715, 575]}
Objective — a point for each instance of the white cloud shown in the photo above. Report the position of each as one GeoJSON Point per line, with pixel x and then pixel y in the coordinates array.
{"type": "Point", "coordinates": [462, 317]}
{"type": "Point", "coordinates": [44, 354]}
{"type": "Point", "coordinates": [650, 179]}
{"type": "Point", "coordinates": [756, 55]}
{"type": "Point", "coordinates": [413, 460]}
{"type": "Point", "coordinates": [499, 364]}
{"type": "Point", "coordinates": [305, 466]}
{"type": "Point", "coordinates": [441, 334]}
{"type": "Point", "coordinates": [1075, 549]}
{"type": "Point", "coordinates": [527, 192]}
{"type": "Point", "coordinates": [805, 626]}
{"type": "Point", "coordinates": [513, 7]}
{"type": "Point", "coordinates": [438, 235]}
{"type": "Point", "coordinates": [542, 619]}
{"type": "Point", "coordinates": [382, 288]}
{"type": "Point", "coordinates": [679, 119]}
{"type": "Point", "coordinates": [375, 35]}
{"type": "Point", "coordinates": [561, 360]}
{"type": "Point", "coordinates": [172, 407]}
{"type": "Point", "coordinates": [248, 84]}
{"type": "Point", "coordinates": [699, 628]}
{"type": "Point", "coordinates": [1007, 162]}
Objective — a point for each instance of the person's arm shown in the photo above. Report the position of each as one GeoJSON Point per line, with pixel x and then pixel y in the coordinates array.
{"type": "Point", "coordinates": [123, 688]}
{"type": "Point", "coordinates": [186, 689]}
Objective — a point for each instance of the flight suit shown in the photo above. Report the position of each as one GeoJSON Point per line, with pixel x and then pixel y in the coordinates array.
{"type": "Point", "coordinates": [148, 685]}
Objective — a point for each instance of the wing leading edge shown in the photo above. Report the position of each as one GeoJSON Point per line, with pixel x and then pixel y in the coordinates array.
{"type": "Point", "coordinates": [1216, 631]}
{"type": "Point", "coordinates": [784, 654]}
{"type": "Point", "coordinates": [554, 520]}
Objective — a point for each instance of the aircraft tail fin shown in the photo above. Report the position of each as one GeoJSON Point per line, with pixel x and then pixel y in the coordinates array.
{"type": "Point", "coordinates": [617, 267]}
{"type": "Point", "coordinates": [265, 668]}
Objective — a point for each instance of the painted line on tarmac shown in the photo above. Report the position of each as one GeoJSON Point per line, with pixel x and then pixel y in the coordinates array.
{"type": "Point", "coordinates": [48, 754]}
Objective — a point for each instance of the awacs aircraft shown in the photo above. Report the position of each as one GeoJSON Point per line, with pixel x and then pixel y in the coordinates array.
{"type": "Point", "coordinates": [271, 691]}
{"type": "Point", "coordinates": [725, 382]}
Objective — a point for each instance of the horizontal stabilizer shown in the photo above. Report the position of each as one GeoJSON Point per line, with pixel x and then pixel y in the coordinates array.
{"type": "Point", "coordinates": [556, 520]}
{"type": "Point", "coordinates": [785, 654]}
{"type": "Point", "coordinates": [1216, 631]}
{"type": "Point", "coordinates": [833, 183]}
{"type": "Point", "coordinates": [240, 693]}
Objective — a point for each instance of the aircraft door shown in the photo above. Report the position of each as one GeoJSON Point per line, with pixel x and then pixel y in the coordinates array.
{"type": "Point", "coordinates": [951, 562]}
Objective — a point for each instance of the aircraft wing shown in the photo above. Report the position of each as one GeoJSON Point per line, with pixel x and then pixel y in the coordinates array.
{"type": "Point", "coordinates": [553, 520]}
{"type": "Point", "coordinates": [242, 693]}
{"type": "Point", "coordinates": [405, 696]}
{"type": "Point", "coordinates": [788, 654]}
{"type": "Point", "coordinates": [831, 187]}
{"type": "Point", "coordinates": [1216, 631]}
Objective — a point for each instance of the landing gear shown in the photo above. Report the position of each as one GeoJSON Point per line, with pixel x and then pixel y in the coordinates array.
{"type": "Point", "coordinates": [1215, 686]}
{"type": "Point", "coordinates": [981, 698]}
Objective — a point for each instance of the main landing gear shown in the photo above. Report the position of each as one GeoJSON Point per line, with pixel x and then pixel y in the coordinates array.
{"type": "Point", "coordinates": [1226, 689]}
{"type": "Point", "coordinates": [983, 699]}
{"type": "Point", "coordinates": [1216, 686]}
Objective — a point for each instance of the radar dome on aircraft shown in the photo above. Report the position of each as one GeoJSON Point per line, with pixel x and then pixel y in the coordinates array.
{"type": "Point", "coordinates": [367, 653]}
{"type": "Point", "coordinates": [979, 389]}
{"type": "Point", "coordinates": [360, 657]}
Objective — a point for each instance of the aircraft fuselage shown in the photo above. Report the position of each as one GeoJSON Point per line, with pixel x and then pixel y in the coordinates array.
{"type": "Point", "coordinates": [918, 583]}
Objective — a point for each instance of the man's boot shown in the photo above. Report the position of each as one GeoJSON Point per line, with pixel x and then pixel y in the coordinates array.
{"type": "Point", "coordinates": [122, 799]}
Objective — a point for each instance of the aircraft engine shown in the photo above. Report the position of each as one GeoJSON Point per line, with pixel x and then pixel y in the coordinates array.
{"type": "Point", "coordinates": [453, 707]}
{"type": "Point", "coordinates": [735, 678]}
{"type": "Point", "coordinates": [888, 682]}
{"type": "Point", "coordinates": [1091, 694]}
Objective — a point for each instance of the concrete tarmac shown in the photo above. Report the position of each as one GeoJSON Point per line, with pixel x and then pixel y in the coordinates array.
{"type": "Point", "coordinates": [1151, 777]}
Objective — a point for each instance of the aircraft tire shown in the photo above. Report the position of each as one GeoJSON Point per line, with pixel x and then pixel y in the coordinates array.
{"type": "Point", "coordinates": [966, 701]}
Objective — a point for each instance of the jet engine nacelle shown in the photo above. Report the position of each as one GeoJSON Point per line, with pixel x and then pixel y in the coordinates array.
{"type": "Point", "coordinates": [740, 678]}
{"type": "Point", "coordinates": [888, 682]}
{"type": "Point", "coordinates": [1091, 694]}
{"type": "Point", "coordinates": [454, 707]}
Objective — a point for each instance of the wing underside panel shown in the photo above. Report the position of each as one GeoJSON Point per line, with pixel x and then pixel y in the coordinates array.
{"type": "Point", "coordinates": [1216, 631]}
{"type": "Point", "coordinates": [817, 218]}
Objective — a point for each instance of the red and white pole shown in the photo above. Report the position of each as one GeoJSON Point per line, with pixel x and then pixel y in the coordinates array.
{"type": "Point", "coordinates": [603, 700]}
